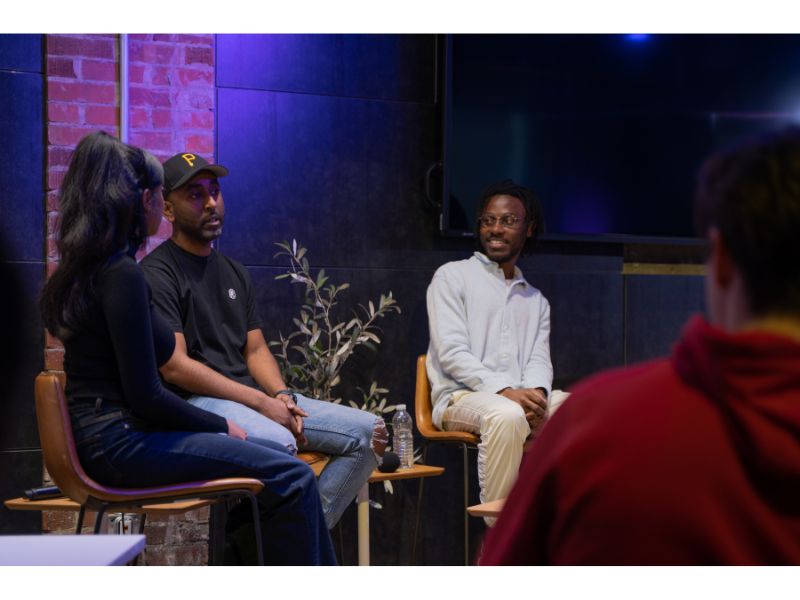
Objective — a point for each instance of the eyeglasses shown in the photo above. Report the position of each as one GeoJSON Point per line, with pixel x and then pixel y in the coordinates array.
{"type": "Point", "coordinates": [508, 221]}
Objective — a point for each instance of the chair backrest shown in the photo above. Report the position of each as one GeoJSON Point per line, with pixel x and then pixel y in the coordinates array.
{"type": "Point", "coordinates": [424, 411]}
{"type": "Point", "coordinates": [422, 400]}
{"type": "Point", "coordinates": [58, 443]}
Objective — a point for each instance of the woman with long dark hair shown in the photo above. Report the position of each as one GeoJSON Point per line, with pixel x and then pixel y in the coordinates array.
{"type": "Point", "coordinates": [131, 431]}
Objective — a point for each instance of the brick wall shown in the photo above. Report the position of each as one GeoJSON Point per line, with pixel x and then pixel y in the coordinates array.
{"type": "Point", "coordinates": [82, 97]}
{"type": "Point", "coordinates": [171, 97]}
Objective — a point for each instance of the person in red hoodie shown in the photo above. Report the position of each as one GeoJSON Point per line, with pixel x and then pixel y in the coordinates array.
{"type": "Point", "coordinates": [693, 459]}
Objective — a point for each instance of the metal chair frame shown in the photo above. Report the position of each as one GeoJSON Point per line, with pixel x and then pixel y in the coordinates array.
{"type": "Point", "coordinates": [432, 434]}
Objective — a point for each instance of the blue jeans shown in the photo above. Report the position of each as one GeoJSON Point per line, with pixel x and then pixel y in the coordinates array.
{"type": "Point", "coordinates": [117, 449]}
{"type": "Point", "coordinates": [343, 432]}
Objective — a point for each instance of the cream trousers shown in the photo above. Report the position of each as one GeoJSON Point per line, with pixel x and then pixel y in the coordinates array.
{"type": "Point", "coordinates": [501, 424]}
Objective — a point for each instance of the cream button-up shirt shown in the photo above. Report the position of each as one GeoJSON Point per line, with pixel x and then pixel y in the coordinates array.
{"type": "Point", "coordinates": [486, 334]}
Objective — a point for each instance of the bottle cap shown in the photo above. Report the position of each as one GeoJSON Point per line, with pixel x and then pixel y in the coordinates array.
{"type": "Point", "coordinates": [400, 407]}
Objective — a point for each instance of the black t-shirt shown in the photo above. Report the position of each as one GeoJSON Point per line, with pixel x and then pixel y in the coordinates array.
{"type": "Point", "coordinates": [209, 299]}
{"type": "Point", "coordinates": [116, 352]}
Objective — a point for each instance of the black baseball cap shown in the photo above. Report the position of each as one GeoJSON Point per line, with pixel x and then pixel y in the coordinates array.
{"type": "Point", "coordinates": [182, 167]}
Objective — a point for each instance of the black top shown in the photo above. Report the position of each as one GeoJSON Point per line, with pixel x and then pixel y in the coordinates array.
{"type": "Point", "coordinates": [209, 299]}
{"type": "Point", "coordinates": [116, 352]}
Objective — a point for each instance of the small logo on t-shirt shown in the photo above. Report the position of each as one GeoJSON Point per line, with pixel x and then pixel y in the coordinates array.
{"type": "Point", "coordinates": [232, 294]}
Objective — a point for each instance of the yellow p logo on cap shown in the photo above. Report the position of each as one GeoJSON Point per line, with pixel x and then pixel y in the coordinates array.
{"type": "Point", "coordinates": [189, 158]}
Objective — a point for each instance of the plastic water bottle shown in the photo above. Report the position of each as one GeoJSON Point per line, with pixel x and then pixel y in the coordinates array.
{"type": "Point", "coordinates": [403, 441]}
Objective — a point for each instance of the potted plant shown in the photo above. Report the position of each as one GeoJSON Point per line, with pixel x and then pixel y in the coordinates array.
{"type": "Point", "coordinates": [312, 355]}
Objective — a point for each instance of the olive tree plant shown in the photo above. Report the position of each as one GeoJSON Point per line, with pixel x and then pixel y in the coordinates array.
{"type": "Point", "coordinates": [312, 355]}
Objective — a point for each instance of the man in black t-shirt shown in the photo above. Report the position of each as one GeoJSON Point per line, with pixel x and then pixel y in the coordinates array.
{"type": "Point", "coordinates": [222, 362]}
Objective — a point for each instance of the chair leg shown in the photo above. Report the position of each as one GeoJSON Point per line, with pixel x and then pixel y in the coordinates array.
{"type": "Point", "coordinates": [257, 527]}
{"type": "Point", "coordinates": [81, 514]}
{"type": "Point", "coordinates": [466, 504]}
{"type": "Point", "coordinates": [99, 519]}
{"type": "Point", "coordinates": [142, 519]}
{"type": "Point", "coordinates": [419, 508]}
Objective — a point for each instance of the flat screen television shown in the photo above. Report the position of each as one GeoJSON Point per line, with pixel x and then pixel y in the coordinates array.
{"type": "Point", "coordinates": [609, 130]}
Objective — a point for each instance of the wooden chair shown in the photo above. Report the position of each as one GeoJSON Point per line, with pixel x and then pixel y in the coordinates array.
{"type": "Point", "coordinates": [61, 460]}
{"type": "Point", "coordinates": [432, 434]}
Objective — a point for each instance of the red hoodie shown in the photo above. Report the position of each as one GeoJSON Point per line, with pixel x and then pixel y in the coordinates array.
{"type": "Point", "coordinates": [693, 460]}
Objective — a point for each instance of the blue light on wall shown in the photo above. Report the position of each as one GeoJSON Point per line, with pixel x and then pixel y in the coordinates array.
{"type": "Point", "coordinates": [637, 37]}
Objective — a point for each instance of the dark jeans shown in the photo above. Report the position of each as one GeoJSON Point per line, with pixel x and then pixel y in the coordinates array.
{"type": "Point", "coordinates": [117, 449]}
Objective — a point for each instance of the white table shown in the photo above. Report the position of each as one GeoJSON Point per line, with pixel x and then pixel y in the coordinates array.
{"type": "Point", "coordinates": [363, 501]}
{"type": "Point", "coordinates": [69, 550]}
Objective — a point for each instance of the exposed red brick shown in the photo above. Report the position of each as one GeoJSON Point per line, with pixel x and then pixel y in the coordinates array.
{"type": "Point", "coordinates": [187, 531]}
{"type": "Point", "coordinates": [193, 76]}
{"type": "Point", "coordinates": [201, 144]}
{"type": "Point", "coordinates": [52, 250]}
{"type": "Point", "coordinates": [139, 96]}
{"type": "Point", "coordinates": [51, 341]}
{"type": "Point", "coordinates": [94, 47]}
{"type": "Point", "coordinates": [58, 158]}
{"type": "Point", "coordinates": [139, 118]}
{"type": "Point", "coordinates": [160, 75]}
{"type": "Point", "coordinates": [67, 135]}
{"type": "Point", "coordinates": [58, 521]}
{"type": "Point", "coordinates": [99, 93]}
{"type": "Point", "coordinates": [101, 115]}
{"type": "Point", "coordinates": [162, 119]}
{"type": "Point", "coordinates": [196, 554]}
{"type": "Point", "coordinates": [136, 73]}
{"type": "Point", "coordinates": [52, 222]}
{"type": "Point", "coordinates": [140, 37]}
{"type": "Point", "coordinates": [55, 177]}
{"type": "Point", "coordinates": [54, 359]}
{"type": "Point", "coordinates": [196, 98]}
{"type": "Point", "coordinates": [61, 67]}
{"type": "Point", "coordinates": [151, 52]}
{"type": "Point", "coordinates": [151, 140]}
{"type": "Point", "coordinates": [161, 99]}
{"type": "Point", "coordinates": [53, 203]}
{"type": "Point", "coordinates": [160, 556]}
{"type": "Point", "coordinates": [156, 533]}
{"type": "Point", "coordinates": [99, 70]}
{"type": "Point", "coordinates": [196, 119]}
{"type": "Point", "coordinates": [144, 96]}
{"type": "Point", "coordinates": [62, 112]}
{"type": "Point", "coordinates": [195, 39]}
{"type": "Point", "coordinates": [199, 55]}
{"type": "Point", "coordinates": [164, 37]}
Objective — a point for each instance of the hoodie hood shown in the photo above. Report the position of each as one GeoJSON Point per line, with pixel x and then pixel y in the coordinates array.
{"type": "Point", "coordinates": [753, 379]}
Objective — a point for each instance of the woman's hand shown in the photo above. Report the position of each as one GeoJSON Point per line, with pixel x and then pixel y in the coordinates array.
{"type": "Point", "coordinates": [235, 431]}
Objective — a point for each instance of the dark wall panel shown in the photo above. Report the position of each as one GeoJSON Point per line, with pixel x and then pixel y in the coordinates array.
{"type": "Point", "coordinates": [22, 223]}
{"type": "Point", "coordinates": [22, 154]}
{"type": "Point", "coordinates": [657, 308]}
{"type": "Point", "coordinates": [21, 52]}
{"type": "Point", "coordinates": [586, 316]}
{"type": "Point", "coordinates": [343, 176]}
{"type": "Point", "coordinates": [21, 470]}
{"type": "Point", "coordinates": [17, 412]}
{"type": "Point", "coordinates": [389, 67]}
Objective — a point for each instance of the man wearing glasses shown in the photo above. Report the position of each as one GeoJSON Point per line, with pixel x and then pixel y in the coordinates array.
{"type": "Point", "coordinates": [489, 354]}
